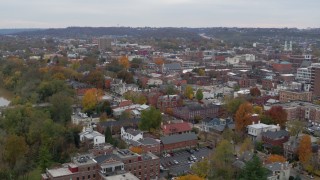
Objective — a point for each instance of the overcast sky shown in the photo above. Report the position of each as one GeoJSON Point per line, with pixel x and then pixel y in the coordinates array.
{"type": "Point", "coordinates": [159, 13]}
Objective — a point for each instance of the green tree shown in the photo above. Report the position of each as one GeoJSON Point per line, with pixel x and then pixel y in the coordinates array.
{"type": "Point", "coordinates": [45, 158]}
{"type": "Point", "coordinates": [253, 170]}
{"type": "Point", "coordinates": [12, 153]}
{"type": "Point", "coordinates": [150, 119]}
{"type": "Point", "coordinates": [201, 168]}
{"type": "Point", "coordinates": [295, 127]}
{"type": "Point", "coordinates": [199, 94]}
{"type": "Point", "coordinates": [61, 109]}
{"type": "Point", "coordinates": [108, 135]}
{"type": "Point", "coordinates": [232, 105]}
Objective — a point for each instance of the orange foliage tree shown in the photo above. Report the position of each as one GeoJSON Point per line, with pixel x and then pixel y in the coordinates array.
{"type": "Point", "coordinates": [278, 115]}
{"type": "Point", "coordinates": [124, 61]}
{"type": "Point", "coordinates": [304, 149]}
{"type": "Point", "coordinates": [275, 158]}
{"type": "Point", "coordinates": [255, 92]}
{"type": "Point", "coordinates": [190, 177]}
{"type": "Point", "coordinates": [243, 116]}
{"type": "Point", "coordinates": [135, 149]}
{"type": "Point", "coordinates": [91, 99]}
{"type": "Point", "coordinates": [159, 61]}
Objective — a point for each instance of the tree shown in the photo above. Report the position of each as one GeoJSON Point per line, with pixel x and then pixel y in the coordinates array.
{"type": "Point", "coordinates": [45, 158]}
{"type": "Point", "coordinates": [108, 135]}
{"type": "Point", "coordinates": [190, 177]}
{"type": "Point", "coordinates": [201, 72]}
{"type": "Point", "coordinates": [275, 158]}
{"type": "Point", "coordinates": [91, 99]}
{"type": "Point", "coordinates": [305, 150]}
{"type": "Point", "coordinates": [15, 148]}
{"type": "Point", "coordinates": [295, 127]}
{"type": "Point", "coordinates": [278, 115]}
{"type": "Point", "coordinates": [243, 116]}
{"type": "Point", "coordinates": [255, 92]}
{"type": "Point", "coordinates": [201, 168]}
{"type": "Point", "coordinates": [221, 162]}
{"type": "Point", "coordinates": [189, 92]}
{"type": "Point", "coordinates": [124, 61]}
{"type": "Point", "coordinates": [150, 119]}
{"type": "Point", "coordinates": [247, 145]}
{"type": "Point", "coordinates": [60, 108]}
{"type": "Point", "coordinates": [95, 78]}
{"type": "Point", "coordinates": [232, 105]}
{"type": "Point", "coordinates": [159, 61]}
{"type": "Point", "coordinates": [258, 110]}
{"type": "Point", "coordinates": [135, 149]}
{"type": "Point", "coordinates": [199, 94]}
{"type": "Point", "coordinates": [253, 170]}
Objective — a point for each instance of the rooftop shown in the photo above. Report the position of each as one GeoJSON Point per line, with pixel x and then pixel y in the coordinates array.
{"type": "Point", "coordinates": [178, 138]}
{"type": "Point", "coordinates": [59, 172]}
{"type": "Point", "coordinates": [125, 176]}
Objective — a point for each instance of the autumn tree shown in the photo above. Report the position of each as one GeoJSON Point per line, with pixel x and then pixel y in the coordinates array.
{"type": "Point", "coordinates": [278, 115]}
{"type": "Point", "coordinates": [150, 119]}
{"type": "Point", "coordinates": [255, 92]}
{"type": "Point", "coordinates": [243, 116]}
{"type": "Point", "coordinates": [247, 145]}
{"type": "Point", "coordinates": [258, 110]}
{"type": "Point", "coordinates": [159, 61]}
{"type": "Point", "coordinates": [91, 99]}
{"type": "Point", "coordinates": [201, 72]}
{"type": "Point", "coordinates": [199, 95]}
{"type": "Point", "coordinates": [124, 61]}
{"type": "Point", "coordinates": [221, 162]}
{"type": "Point", "coordinates": [135, 149]}
{"type": "Point", "coordinates": [275, 158]}
{"type": "Point", "coordinates": [304, 149]}
{"type": "Point", "coordinates": [189, 92]}
{"type": "Point", "coordinates": [190, 177]}
{"type": "Point", "coordinates": [15, 148]}
{"type": "Point", "coordinates": [60, 108]}
{"type": "Point", "coordinates": [95, 78]}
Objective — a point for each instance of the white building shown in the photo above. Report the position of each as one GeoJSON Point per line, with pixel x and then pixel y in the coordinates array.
{"type": "Point", "coordinates": [131, 134]}
{"type": "Point", "coordinates": [304, 74]}
{"type": "Point", "coordinates": [255, 130]}
{"type": "Point", "coordinates": [154, 81]}
{"type": "Point", "coordinates": [91, 136]}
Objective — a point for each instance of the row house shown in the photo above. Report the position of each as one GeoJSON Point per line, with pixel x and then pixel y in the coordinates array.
{"type": "Point", "coordinates": [178, 142]}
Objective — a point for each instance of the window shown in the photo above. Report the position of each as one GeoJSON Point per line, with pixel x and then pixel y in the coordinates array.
{"type": "Point", "coordinates": [129, 161]}
{"type": "Point", "coordinates": [94, 175]}
{"type": "Point", "coordinates": [88, 176]}
{"type": "Point", "coordinates": [139, 173]}
{"type": "Point", "coordinates": [78, 178]}
{"type": "Point", "coordinates": [83, 177]}
{"type": "Point", "coordinates": [88, 168]}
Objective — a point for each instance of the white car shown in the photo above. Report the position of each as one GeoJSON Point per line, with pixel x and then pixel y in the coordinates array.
{"type": "Point", "coordinates": [175, 161]}
{"type": "Point", "coordinates": [193, 157]}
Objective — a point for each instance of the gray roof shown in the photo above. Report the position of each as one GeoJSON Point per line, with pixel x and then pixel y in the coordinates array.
{"type": "Point", "coordinates": [173, 66]}
{"type": "Point", "coordinates": [178, 138]}
{"type": "Point", "coordinates": [276, 166]}
{"type": "Point", "coordinates": [239, 164]}
{"type": "Point", "coordinates": [276, 134]}
{"type": "Point", "coordinates": [133, 131]}
{"type": "Point", "coordinates": [148, 140]}
{"type": "Point", "coordinates": [101, 159]}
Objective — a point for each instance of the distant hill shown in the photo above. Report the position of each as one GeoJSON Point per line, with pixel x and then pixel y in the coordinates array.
{"type": "Point", "coordinates": [14, 31]}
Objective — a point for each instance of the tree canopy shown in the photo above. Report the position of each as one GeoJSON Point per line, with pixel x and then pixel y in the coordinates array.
{"type": "Point", "coordinates": [150, 119]}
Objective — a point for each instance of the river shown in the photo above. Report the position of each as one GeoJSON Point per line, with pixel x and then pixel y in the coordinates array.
{"type": "Point", "coordinates": [5, 97]}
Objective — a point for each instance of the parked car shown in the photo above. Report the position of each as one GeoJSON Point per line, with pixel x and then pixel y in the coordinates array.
{"type": "Point", "coordinates": [191, 151]}
{"type": "Point", "coordinates": [175, 161]}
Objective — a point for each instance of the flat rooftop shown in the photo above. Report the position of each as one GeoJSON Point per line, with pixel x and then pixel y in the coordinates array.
{"type": "Point", "coordinates": [59, 172]}
{"type": "Point", "coordinates": [125, 176]}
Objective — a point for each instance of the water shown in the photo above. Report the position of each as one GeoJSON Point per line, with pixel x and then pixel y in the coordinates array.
{"type": "Point", "coordinates": [4, 102]}
{"type": "Point", "coordinates": [5, 97]}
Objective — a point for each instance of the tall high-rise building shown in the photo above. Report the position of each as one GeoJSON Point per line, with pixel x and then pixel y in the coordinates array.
{"type": "Point", "coordinates": [288, 47]}
{"type": "Point", "coordinates": [315, 79]}
{"type": "Point", "coordinates": [104, 43]}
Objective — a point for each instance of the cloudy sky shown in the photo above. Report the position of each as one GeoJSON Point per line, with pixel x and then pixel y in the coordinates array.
{"type": "Point", "coordinates": [159, 13]}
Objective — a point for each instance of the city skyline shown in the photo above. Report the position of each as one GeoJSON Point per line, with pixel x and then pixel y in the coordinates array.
{"type": "Point", "coordinates": [159, 13]}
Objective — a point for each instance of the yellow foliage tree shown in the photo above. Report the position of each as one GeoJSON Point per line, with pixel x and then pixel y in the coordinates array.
{"type": "Point", "coordinates": [304, 149]}
{"type": "Point", "coordinates": [275, 158]}
{"type": "Point", "coordinates": [59, 76]}
{"type": "Point", "coordinates": [124, 61]}
{"type": "Point", "coordinates": [247, 145]}
{"type": "Point", "coordinates": [189, 92]}
{"type": "Point", "coordinates": [190, 177]}
{"type": "Point", "coordinates": [91, 98]}
{"type": "Point", "coordinates": [201, 72]}
{"type": "Point", "coordinates": [258, 110]}
{"type": "Point", "coordinates": [201, 168]}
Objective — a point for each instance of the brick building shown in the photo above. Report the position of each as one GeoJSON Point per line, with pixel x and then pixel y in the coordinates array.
{"type": "Point", "coordinates": [145, 166]}
{"type": "Point", "coordinates": [315, 79]}
{"type": "Point", "coordinates": [282, 67]}
{"type": "Point", "coordinates": [289, 95]}
{"type": "Point", "coordinates": [180, 127]}
{"type": "Point", "coordinates": [178, 142]}
{"type": "Point", "coordinates": [168, 101]}
{"type": "Point", "coordinates": [190, 112]}
{"type": "Point", "coordinates": [147, 144]}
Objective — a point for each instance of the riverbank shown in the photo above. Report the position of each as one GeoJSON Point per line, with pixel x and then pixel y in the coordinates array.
{"type": "Point", "coordinates": [5, 97]}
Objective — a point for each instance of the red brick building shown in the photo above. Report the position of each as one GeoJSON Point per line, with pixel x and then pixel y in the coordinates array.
{"type": "Point", "coordinates": [282, 67]}
{"type": "Point", "coordinates": [168, 101]}
{"type": "Point", "coordinates": [178, 142]}
{"type": "Point", "coordinates": [192, 111]}
{"type": "Point", "coordinates": [176, 128]}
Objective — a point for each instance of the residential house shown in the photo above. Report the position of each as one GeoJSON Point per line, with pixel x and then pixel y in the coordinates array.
{"type": "Point", "coordinates": [154, 81]}
{"type": "Point", "coordinates": [89, 136]}
{"type": "Point", "coordinates": [255, 130]}
{"type": "Point", "coordinates": [146, 144]}
{"type": "Point", "coordinates": [290, 148]}
{"type": "Point", "coordinates": [290, 95]}
{"type": "Point", "coordinates": [131, 134]}
{"type": "Point", "coordinates": [171, 68]}
{"type": "Point", "coordinates": [216, 125]}
{"type": "Point", "coordinates": [278, 171]}
{"type": "Point", "coordinates": [274, 138]}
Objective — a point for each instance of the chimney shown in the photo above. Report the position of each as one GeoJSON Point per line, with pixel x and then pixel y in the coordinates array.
{"type": "Point", "coordinates": [252, 122]}
{"type": "Point", "coordinates": [278, 125]}
{"type": "Point", "coordinates": [164, 126]}
{"type": "Point", "coordinates": [258, 122]}
{"type": "Point", "coordinates": [169, 122]}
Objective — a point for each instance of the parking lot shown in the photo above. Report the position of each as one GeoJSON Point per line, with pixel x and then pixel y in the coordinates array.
{"type": "Point", "coordinates": [184, 163]}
